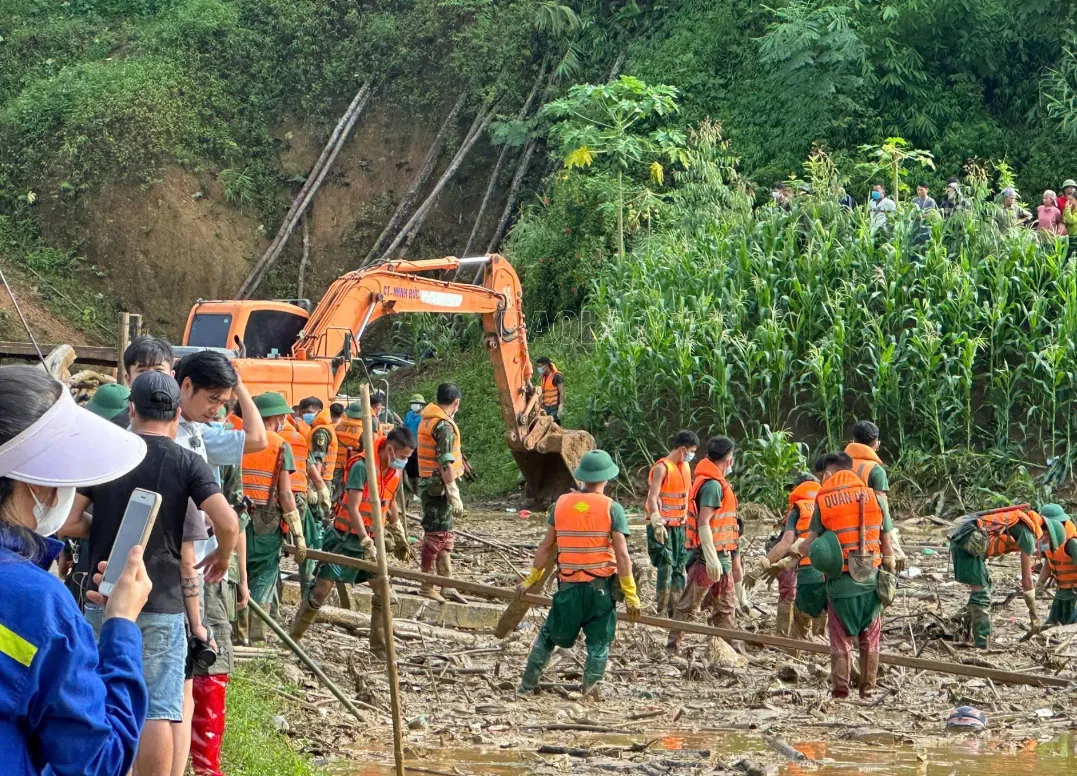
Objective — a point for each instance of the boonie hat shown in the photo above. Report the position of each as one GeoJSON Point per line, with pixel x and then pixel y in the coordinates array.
{"type": "Point", "coordinates": [596, 466]}
{"type": "Point", "coordinates": [825, 554]}
{"type": "Point", "coordinates": [70, 446]}
{"type": "Point", "coordinates": [1053, 512]}
{"type": "Point", "coordinates": [1069, 182]}
{"type": "Point", "coordinates": [109, 400]}
{"type": "Point", "coordinates": [355, 410]}
{"type": "Point", "coordinates": [416, 398]}
{"type": "Point", "coordinates": [270, 404]}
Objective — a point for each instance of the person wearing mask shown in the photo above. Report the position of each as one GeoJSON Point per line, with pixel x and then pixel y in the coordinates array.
{"type": "Point", "coordinates": [312, 530]}
{"type": "Point", "coordinates": [305, 412]}
{"type": "Point", "coordinates": [1049, 217]}
{"type": "Point", "coordinates": [553, 388]}
{"type": "Point", "coordinates": [1060, 566]}
{"type": "Point", "coordinates": [712, 537]}
{"type": "Point", "coordinates": [179, 476]}
{"type": "Point", "coordinates": [322, 464]}
{"type": "Point", "coordinates": [267, 483]}
{"type": "Point", "coordinates": [71, 705]}
{"type": "Point", "coordinates": [880, 206]}
{"type": "Point", "coordinates": [588, 532]}
{"type": "Point", "coordinates": [412, 420]}
{"type": "Point", "coordinates": [441, 464]}
{"type": "Point", "coordinates": [1069, 213]}
{"type": "Point", "coordinates": [923, 200]}
{"type": "Point", "coordinates": [353, 532]}
{"type": "Point", "coordinates": [667, 510]}
{"type": "Point", "coordinates": [843, 504]}
{"type": "Point", "coordinates": [350, 429]}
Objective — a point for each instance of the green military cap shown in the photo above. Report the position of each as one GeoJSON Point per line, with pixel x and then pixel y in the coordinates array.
{"type": "Point", "coordinates": [1053, 512]}
{"type": "Point", "coordinates": [109, 400]}
{"type": "Point", "coordinates": [416, 398]}
{"type": "Point", "coordinates": [1056, 531]}
{"type": "Point", "coordinates": [825, 554]}
{"type": "Point", "coordinates": [355, 410]}
{"type": "Point", "coordinates": [270, 404]}
{"type": "Point", "coordinates": [596, 466]}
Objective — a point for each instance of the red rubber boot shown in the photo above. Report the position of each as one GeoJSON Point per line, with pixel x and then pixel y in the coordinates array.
{"type": "Point", "coordinates": [207, 724]}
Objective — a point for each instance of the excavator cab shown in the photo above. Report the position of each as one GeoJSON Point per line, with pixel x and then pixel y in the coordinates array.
{"type": "Point", "coordinates": [255, 329]}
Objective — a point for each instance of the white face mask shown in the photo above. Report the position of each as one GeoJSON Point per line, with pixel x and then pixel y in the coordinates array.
{"type": "Point", "coordinates": [416, 407]}
{"type": "Point", "coordinates": [51, 519]}
{"type": "Point", "coordinates": [730, 469]}
{"type": "Point", "coordinates": [689, 457]}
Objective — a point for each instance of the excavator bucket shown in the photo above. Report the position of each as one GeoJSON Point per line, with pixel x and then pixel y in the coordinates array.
{"type": "Point", "coordinates": [549, 456]}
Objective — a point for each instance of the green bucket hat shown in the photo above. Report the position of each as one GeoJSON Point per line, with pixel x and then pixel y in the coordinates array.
{"type": "Point", "coordinates": [270, 404]}
{"type": "Point", "coordinates": [355, 410]}
{"type": "Point", "coordinates": [416, 398]}
{"type": "Point", "coordinates": [1053, 512]}
{"type": "Point", "coordinates": [109, 400]}
{"type": "Point", "coordinates": [825, 554]}
{"type": "Point", "coordinates": [1056, 530]}
{"type": "Point", "coordinates": [596, 466]}
{"type": "Point", "coordinates": [1068, 183]}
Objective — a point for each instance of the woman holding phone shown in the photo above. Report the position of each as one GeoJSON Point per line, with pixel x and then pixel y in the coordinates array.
{"type": "Point", "coordinates": [67, 704]}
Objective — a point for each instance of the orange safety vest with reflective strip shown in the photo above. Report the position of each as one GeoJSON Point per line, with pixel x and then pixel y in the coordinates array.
{"type": "Point", "coordinates": [323, 420]}
{"type": "Point", "coordinates": [549, 390]}
{"type": "Point", "coordinates": [723, 521]}
{"type": "Point", "coordinates": [864, 460]}
{"type": "Point", "coordinates": [388, 482]}
{"type": "Point", "coordinates": [1060, 564]}
{"type": "Point", "coordinates": [300, 452]}
{"type": "Point", "coordinates": [583, 522]}
{"type": "Point", "coordinates": [997, 525]}
{"type": "Point", "coordinates": [350, 432]}
{"type": "Point", "coordinates": [431, 415]}
{"type": "Point", "coordinates": [260, 468]}
{"type": "Point", "coordinates": [839, 508]}
{"type": "Point", "coordinates": [673, 497]}
{"type": "Point", "coordinates": [802, 499]}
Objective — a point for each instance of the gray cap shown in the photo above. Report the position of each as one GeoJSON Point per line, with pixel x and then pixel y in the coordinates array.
{"type": "Point", "coordinates": [155, 393]}
{"type": "Point", "coordinates": [1009, 192]}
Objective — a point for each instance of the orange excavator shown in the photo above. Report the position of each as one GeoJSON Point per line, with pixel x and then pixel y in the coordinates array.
{"type": "Point", "coordinates": [286, 346]}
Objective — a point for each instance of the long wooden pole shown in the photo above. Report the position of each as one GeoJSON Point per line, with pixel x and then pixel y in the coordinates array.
{"type": "Point", "coordinates": [504, 594]}
{"type": "Point", "coordinates": [121, 346]}
{"type": "Point", "coordinates": [382, 580]}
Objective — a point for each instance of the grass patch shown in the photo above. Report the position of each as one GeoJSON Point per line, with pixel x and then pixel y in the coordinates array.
{"type": "Point", "coordinates": [252, 746]}
{"type": "Point", "coordinates": [480, 412]}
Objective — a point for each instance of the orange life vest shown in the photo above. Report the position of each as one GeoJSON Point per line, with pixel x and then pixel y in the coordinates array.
{"type": "Point", "coordinates": [259, 469]}
{"type": "Point", "coordinates": [583, 522]}
{"type": "Point", "coordinates": [350, 432]}
{"type": "Point", "coordinates": [323, 420]}
{"type": "Point", "coordinates": [388, 482]}
{"type": "Point", "coordinates": [839, 507]}
{"type": "Point", "coordinates": [723, 521]}
{"type": "Point", "coordinates": [549, 390]}
{"type": "Point", "coordinates": [431, 415]}
{"type": "Point", "coordinates": [1060, 564]}
{"type": "Point", "coordinates": [997, 525]}
{"type": "Point", "coordinates": [235, 421]}
{"type": "Point", "coordinates": [673, 497]}
{"type": "Point", "coordinates": [802, 499]}
{"type": "Point", "coordinates": [300, 452]}
{"type": "Point", "coordinates": [864, 460]}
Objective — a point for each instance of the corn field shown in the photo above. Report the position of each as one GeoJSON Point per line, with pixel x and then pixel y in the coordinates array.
{"type": "Point", "coordinates": [958, 337]}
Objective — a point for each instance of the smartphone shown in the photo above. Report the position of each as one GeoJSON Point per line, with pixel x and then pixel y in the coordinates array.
{"type": "Point", "coordinates": [135, 528]}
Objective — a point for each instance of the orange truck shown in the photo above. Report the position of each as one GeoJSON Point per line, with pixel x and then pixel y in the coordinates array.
{"type": "Point", "coordinates": [289, 347]}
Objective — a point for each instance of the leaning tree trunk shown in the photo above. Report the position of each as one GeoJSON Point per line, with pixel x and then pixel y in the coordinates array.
{"type": "Point", "coordinates": [514, 189]}
{"type": "Point", "coordinates": [307, 192]}
{"type": "Point", "coordinates": [409, 199]}
{"type": "Point", "coordinates": [478, 126]}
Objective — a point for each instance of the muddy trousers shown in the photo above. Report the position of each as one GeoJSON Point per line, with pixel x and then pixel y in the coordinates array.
{"type": "Point", "coordinates": [980, 617]}
{"type": "Point", "coordinates": [263, 571]}
{"type": "Point", "coordinates": [719, 598]}
{"type": "Point", "coordinates": [207, 724]}
{"type": "Point", "coordinates": [841, 647]}
{"type": "Point", "coordinates": [668, 560]}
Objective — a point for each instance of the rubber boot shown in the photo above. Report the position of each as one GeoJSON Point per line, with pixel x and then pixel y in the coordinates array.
{"type": "Point", "coordinates": [445, 570]}
{"type": "Point", "coordinates": [839, 675]}
{"type": "Point", "coordinates": [306, 615]}
{"type": "Point", "coordinates": [661, 600]}
{"type": "Point", "coordinates": [673, 642]}
{"type": "Point", "coordinates": [802, 625]}
{"type": "Point", "coordinates": [541, 651]}
{"type": "Point", "coordinates": [344, 596]}
{"type": "Point", "coordinates": [869, 672]}
{"type": "Point", "coordinates": [257, 630]}
{"type": "Point", "coordinates": [207, 724]}
{"type": "Point", "coordinates": [241, 627]}
{"type": "Point", "coordinates": [674, 596]}
{"type": "Point", "coordinates": [594, 668]}
{"type": "Point", "coordinates": [377, 629]}
{"type": "Point", "coordinates": [784, 622]}
{"type": "Point", "coordinates": [818, 625]}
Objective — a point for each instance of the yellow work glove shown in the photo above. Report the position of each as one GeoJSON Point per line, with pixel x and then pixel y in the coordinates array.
{"type": "Point", "coordinates": [786, 563]}
{"type": "Point", "coordinates": [714, 566]}
{"type": "Point", "coordinates": [401, 548]}
{"type": "Point", "coordinates": [889, 563]}
{"type": "Point", "coordinates": [1030, 602]}
{"type": "Point", "coordinates": [325, 498]}
{"type": "Point", "coordinates": [452, 491]}
{"type": "Point", "coordinates": [658, 528]}
{"type": "Point", "coordinates": [295, 528]}
{"type": "Point", "coordinates": [533, 576]}
{"type": "Point", "coordinates": [900, 559]}
{"type": "Point", "coordinates": [366, 545]}
{"type": "Point", "coordinates": [632, 604]}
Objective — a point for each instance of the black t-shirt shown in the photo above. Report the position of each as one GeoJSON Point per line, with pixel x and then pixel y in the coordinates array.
{"type": "Point", "coordinates": [178, 475]}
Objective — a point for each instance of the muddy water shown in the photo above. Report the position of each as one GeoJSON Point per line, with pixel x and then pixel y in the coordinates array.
{"type": "Point", "coordinates": [956, 756]}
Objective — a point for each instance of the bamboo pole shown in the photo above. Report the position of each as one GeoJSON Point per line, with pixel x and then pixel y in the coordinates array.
{"type": "Point", "coordinates": [763, 639]}
{"type": "Point", "coordinates": [382, 581]}
{"type": "Point", "coordinates": [307, 660]}
{"type": "Point", "coordinates": [121, 346]}
{"type": "Point", "coordinates": [306, 255]}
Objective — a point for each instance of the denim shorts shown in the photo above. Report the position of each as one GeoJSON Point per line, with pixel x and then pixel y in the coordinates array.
{"type": "Point", "coordinates": [164, 651]}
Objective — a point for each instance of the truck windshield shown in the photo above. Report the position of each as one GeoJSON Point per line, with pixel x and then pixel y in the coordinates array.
{"type": "Point", "coordinates": [210, 330]}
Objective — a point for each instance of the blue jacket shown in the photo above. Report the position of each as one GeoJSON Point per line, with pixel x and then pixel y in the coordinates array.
{"type": "Point", "coordinates": [412, 421]}
{"type": "Point", "coordinates": [65, 707]}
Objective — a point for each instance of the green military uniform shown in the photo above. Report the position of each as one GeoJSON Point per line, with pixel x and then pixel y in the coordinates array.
{"type": "Point", "coordinates": [586, 606]}
{"type": "Point", "coordinates": [437, 512]}
{"type": "Point", "coordinates": [319, 449]}
{"type": "Point", "coordinates": [811, 584]}
{"type": "Point", "coordinates": [345, 542]}
{"type": "Point", "coordinates": [263, 549]}
{"type": "Point", "coordinates": [669, 561]}
{"type": "Point", "coordinates": [972, 570]}
{"type": "Point", "coordinates": [220, 597]}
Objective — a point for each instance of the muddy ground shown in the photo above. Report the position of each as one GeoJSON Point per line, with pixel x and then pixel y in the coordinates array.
{"type": "Point", "coordinates": [677, 715]}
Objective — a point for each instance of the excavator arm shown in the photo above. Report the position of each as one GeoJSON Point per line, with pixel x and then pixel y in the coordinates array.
{"type": "Point", "coordinates": [545, 453]}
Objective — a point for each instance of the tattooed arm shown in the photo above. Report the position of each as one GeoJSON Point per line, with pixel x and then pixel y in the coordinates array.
{"type": "Point", "coordinates": [191, 582]}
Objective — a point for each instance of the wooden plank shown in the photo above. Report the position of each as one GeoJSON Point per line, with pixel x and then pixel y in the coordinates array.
{"type": "Point", "coordinates": [84, 354]}
{"type": "Point", "coordinates": [505, 594]}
